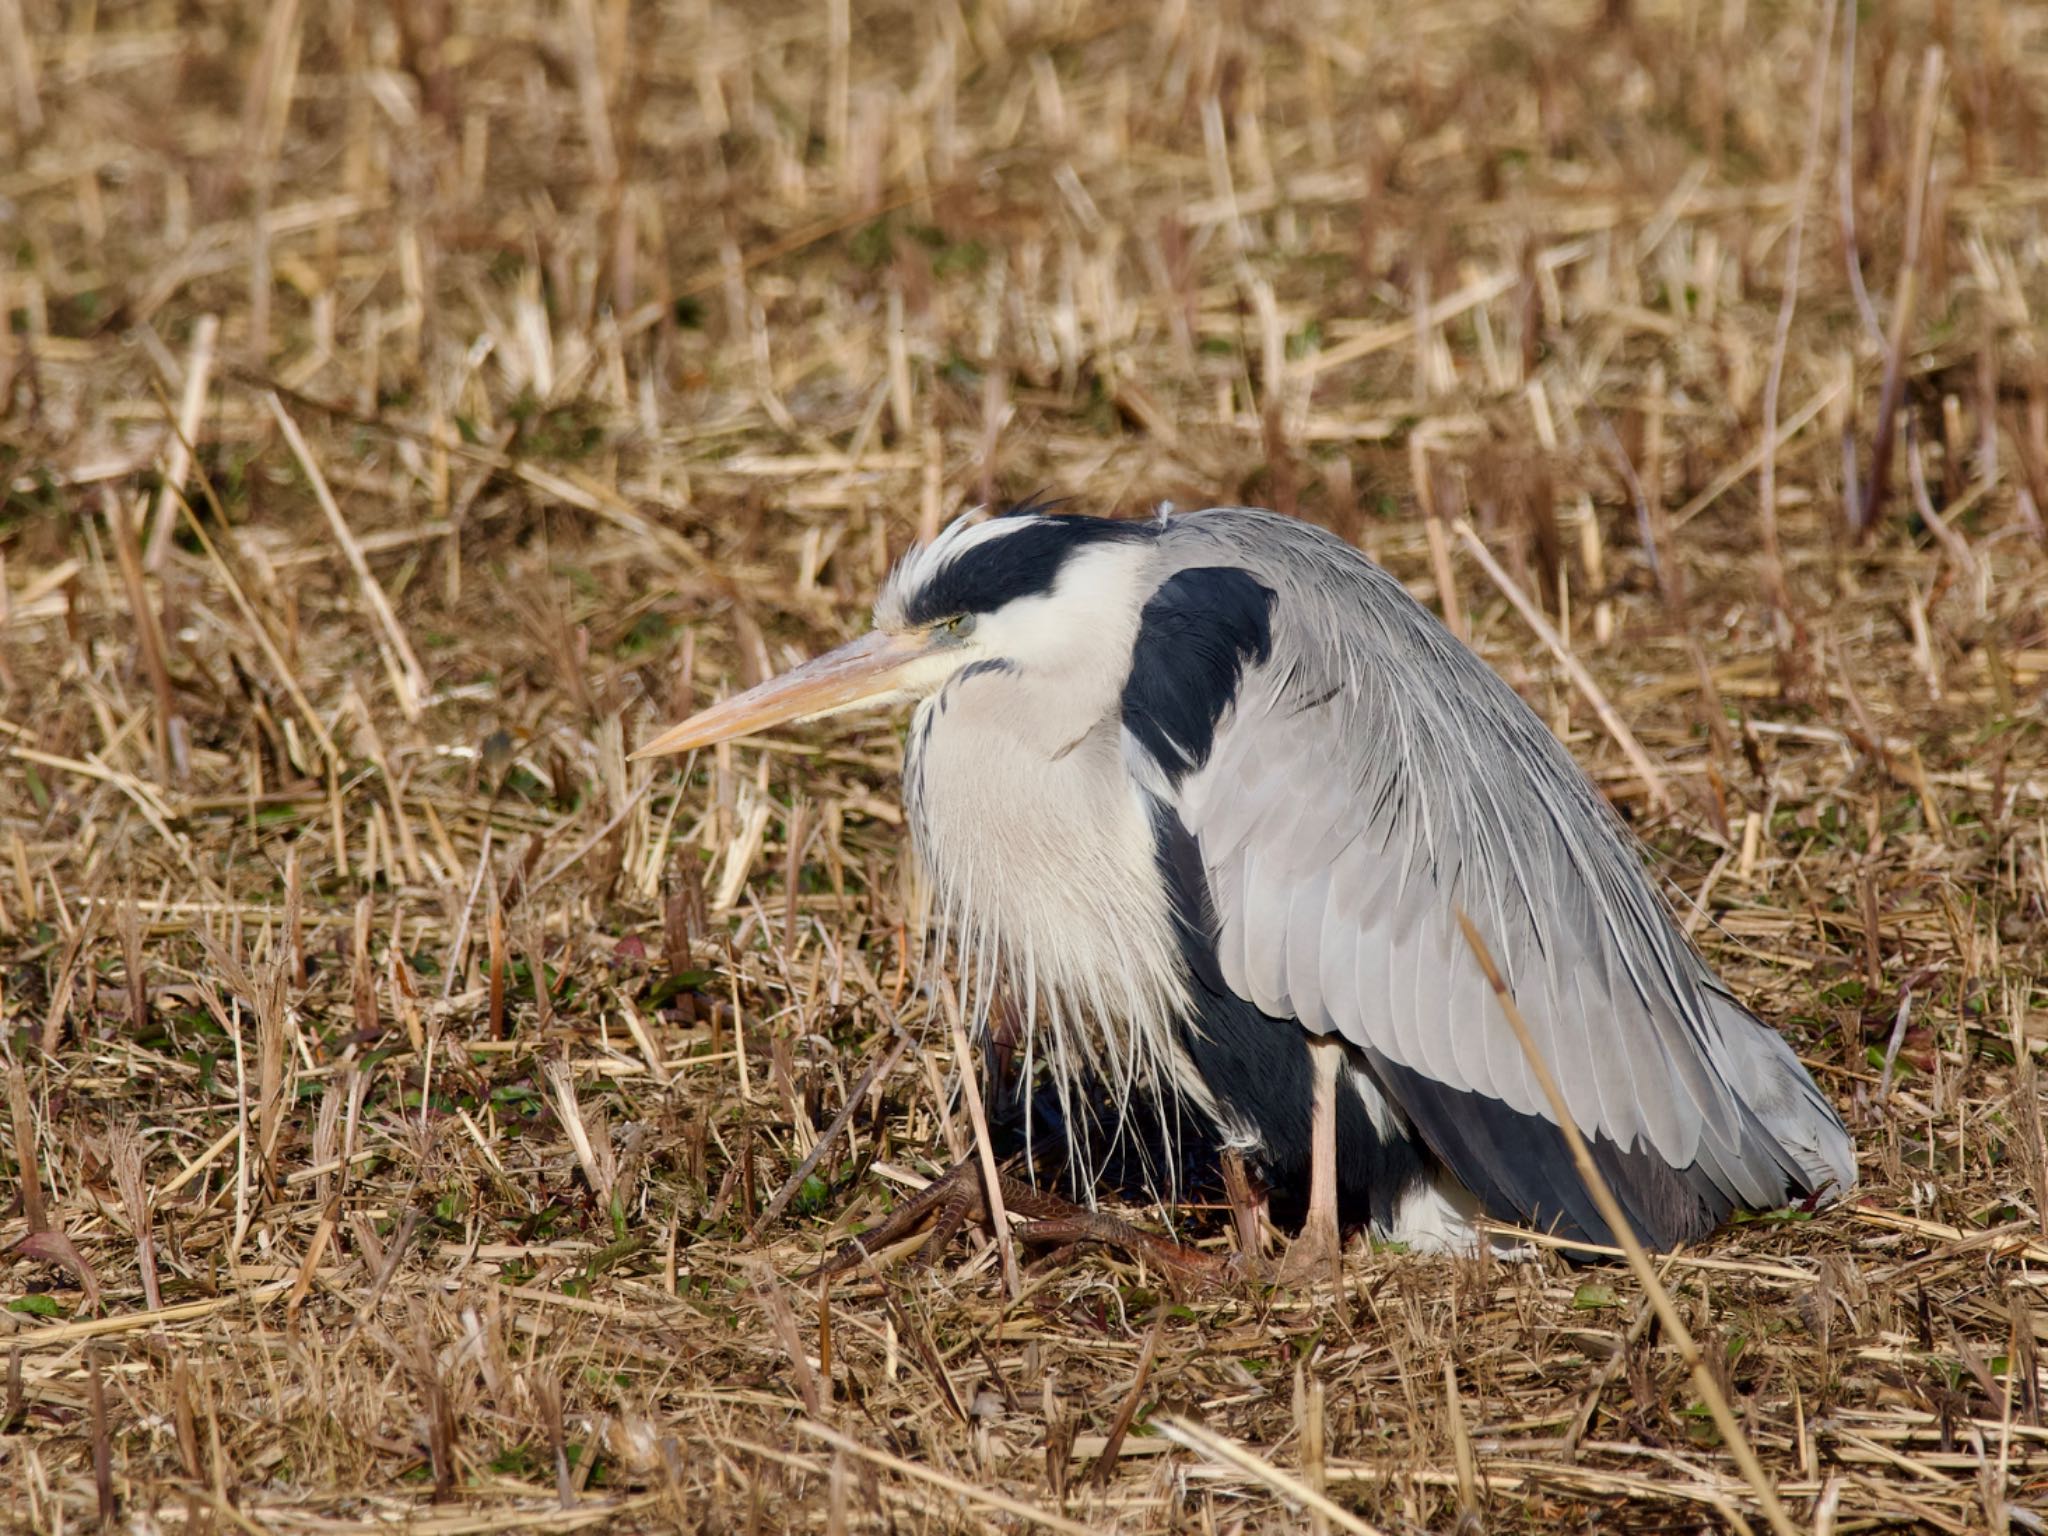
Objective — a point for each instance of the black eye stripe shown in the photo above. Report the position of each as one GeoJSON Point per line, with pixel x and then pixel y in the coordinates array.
{"type": "Point", "coordinates": [1025, 563]}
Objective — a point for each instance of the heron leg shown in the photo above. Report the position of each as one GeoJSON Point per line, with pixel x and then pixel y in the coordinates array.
{"type": "Point", "coordinates": [1247, 1206]}
{"type": "Point", "coordinates": [1318, 1253]}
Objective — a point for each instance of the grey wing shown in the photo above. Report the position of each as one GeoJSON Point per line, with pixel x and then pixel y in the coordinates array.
{"type": "Point", "coordinates": [1369, 778]}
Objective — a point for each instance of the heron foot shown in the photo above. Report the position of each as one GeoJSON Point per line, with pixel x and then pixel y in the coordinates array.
{"type": "Point", "coordinates": [1317, 1254]}
{"type": "Point", "coordinates": [948, 1203]}
{"type": "Point", "coordinates": [959, 1196]}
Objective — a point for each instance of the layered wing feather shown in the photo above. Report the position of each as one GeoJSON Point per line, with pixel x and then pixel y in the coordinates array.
{"type": "Point", "coordinates": [1370, 777]}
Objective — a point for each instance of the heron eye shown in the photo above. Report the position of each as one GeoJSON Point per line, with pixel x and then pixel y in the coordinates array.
{"type": "Point", "coordinates": [959, 626]}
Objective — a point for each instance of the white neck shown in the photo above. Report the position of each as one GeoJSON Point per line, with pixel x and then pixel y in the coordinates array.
{"type": "Point", "coordinates": [1039, 846]}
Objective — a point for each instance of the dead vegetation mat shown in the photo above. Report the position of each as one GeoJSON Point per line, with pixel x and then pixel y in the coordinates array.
{"type": "Point", "coordinates": [410, 1104]}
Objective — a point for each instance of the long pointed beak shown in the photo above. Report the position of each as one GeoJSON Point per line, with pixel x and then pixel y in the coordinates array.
{"type": "Point", "coordinates": [864, 671]}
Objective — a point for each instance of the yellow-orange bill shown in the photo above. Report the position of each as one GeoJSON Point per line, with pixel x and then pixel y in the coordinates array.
{"type": "Point", "coordinates": [863, 670]}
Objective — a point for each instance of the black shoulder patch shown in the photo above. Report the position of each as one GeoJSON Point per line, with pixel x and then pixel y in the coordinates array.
{"type": "Point", "coordinates": [1026, 563]}
{"type": "Point", "coordinates": [1195, 638]}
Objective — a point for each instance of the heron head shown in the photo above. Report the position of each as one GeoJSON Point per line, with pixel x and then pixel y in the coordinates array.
{"type": "Point", "coordinates": [1026, 589]}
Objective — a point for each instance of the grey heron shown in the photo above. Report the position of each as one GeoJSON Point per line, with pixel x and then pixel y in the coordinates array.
{"type": "Point", "coordinates": [1206, 793]}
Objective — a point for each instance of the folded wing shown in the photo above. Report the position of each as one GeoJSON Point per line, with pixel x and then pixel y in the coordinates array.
{"type": "Point", "coordinates": [1367, 780]}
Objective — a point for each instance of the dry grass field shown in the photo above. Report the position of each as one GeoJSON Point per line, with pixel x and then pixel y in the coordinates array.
{"type": "Point", "coordinates": [416, 1117]}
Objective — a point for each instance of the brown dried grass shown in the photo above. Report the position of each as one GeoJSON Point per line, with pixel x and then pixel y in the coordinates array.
{"type": "Point", "coordinates": [401, 408]}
